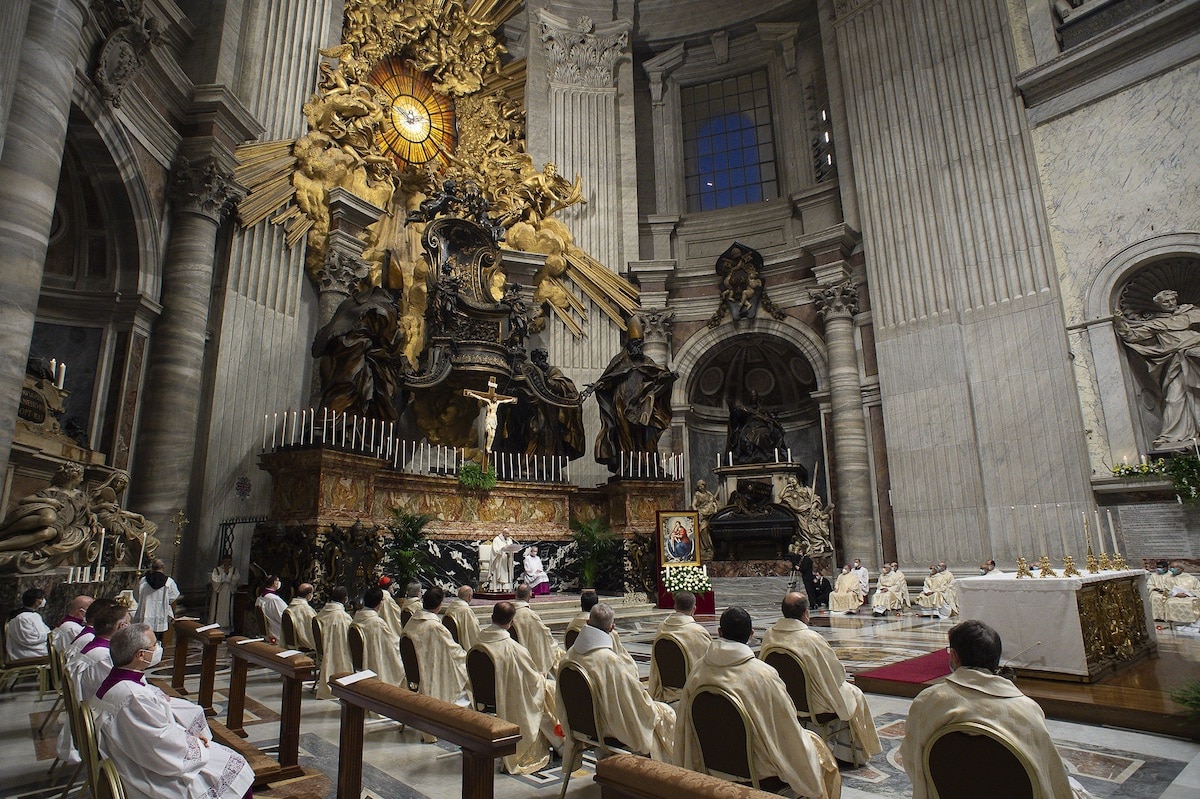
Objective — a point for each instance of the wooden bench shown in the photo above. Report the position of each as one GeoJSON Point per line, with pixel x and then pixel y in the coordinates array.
{"type": "Point", "coordinates": [186, 631]}
{"type": "Point", "coordinates": [482, 738]}
{"type": "Point", "coordinates": [295, 670]}
{"type": "Point", "coordinates": [633, 777]}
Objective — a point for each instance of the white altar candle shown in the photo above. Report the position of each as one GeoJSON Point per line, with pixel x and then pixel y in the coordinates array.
{"type": "Point", "coordinates": [545, 476]}
{"type": "Point", "coordinates": [777, 454]}
{"type": "Point", "coordinates": [266, 421]}
{"type": "Point", "coordinates": [789, 454]}
{"type": "Point", "coordinates": [274, 427]}
{"type": "Point", "coordinates": [718, 460]}
{"type": "Point", "coordinates": [1112, 529]}
{"type": "Point", "coordinates": [54, 368]}
{"type": "Point", "coordinates": [87, 574]}
{"type": "Point", "coordinates": [62, 375]}
{"type": "Point", "coordinates": [142, 556]}
{"type": "Point", "coordinates": [100, 554]}
{"type": "Point", "coordinates": [70, 574]}
{"type": "Point", "coordinates": [343, 429]}
{"type": "Point", "coordinates": [372, 447]}
{"type": "Point", "coordinates": [730, 459]}
{"type": "Point", "coordinates": [294, 428]}
{"type": "Point", "coordinates": [1100, 533]}
{"type": "Point", "coordinates": [325, 425]}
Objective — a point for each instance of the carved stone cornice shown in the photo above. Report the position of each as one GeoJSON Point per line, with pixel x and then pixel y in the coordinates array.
{"type": "Point", "coordinates": [583, 53]}
{"type": "Point", "coordinates": [657, 324]}
{"type": "Point", "coordinates": [660, 67]}
{"type": "Point", "coordinates": [130, 33]}
{"type": "Point", "coordinates": [840, 300]}
{"type": "Point", "coordinates": [203, 189]}
{"type": "Point", "coordinates": [342, 273]}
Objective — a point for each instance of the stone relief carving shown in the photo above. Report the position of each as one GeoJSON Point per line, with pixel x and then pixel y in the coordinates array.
{"type": "Point", "coordinates": [342, 273]}
{"type": "Point", "coordinates": [52, 527]}
{"type": "Point", "coordinates": [839, 300]}
{"type": "Point", "coordinates": [583, 54]}
{"type": "Point", "coordinates": [132, 32]}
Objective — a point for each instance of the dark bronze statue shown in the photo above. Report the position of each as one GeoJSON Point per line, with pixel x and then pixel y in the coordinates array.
{"type": "Point", "coordinates": [755, 435]}
{"type": "Point", "coordinates": [555, 429]}
{"type": "Point", "coordinates": [360, 351]}
{"type": "Point", "coordinates": [634, 395]}
{"type": "Point", "coordinates": [52, 527]}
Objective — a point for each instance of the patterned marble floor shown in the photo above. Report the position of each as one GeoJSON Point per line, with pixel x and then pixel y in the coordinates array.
{"type": "Point", "coordinates": [1109, 762]}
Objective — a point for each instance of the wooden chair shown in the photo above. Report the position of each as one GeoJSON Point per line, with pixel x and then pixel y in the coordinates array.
{"type": "Point", "coordinates": [584, 718]}
{"type": "Point", "coordinates": [959, 753]}
{"type": "Point", "coordinates": [24, 667]}
{"type": "Point", "coordinates": [451, 625]}
{"type": "Point", "coordinates": [512, 633]}
{"type": "Point", "coordinates": [569, 638]}
{"type": "Point", "coordinates": [405, 615]}
{"type": "Point", "coordinates": [319, 645]}
{"type": "Point", "coordinates": [481, 672]}
{"type": "Point", "coordinates": [264, 629]}
{"type": "Point", "coordinates": [791, 671]}
{"type": "Point", "coordinates": [83, 733]}
{"type": "Point", "coordinates": [354, 636]}
{"type": "Point", "coordinates": [671, 662]}
{"type": "Point", "coordinates": [287, 631]}
{"type": "Point", "coordinates": [412, 666]}
{"type": "Point", "coordinates": [108, 782]}
{"type": "Point", "coordinates": [727, 739]}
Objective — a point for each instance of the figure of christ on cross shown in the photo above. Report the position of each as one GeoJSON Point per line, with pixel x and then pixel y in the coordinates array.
{"type": "Point", "coordinates": [490, 401]}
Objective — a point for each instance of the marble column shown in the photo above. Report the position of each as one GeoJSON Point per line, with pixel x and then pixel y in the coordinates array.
{"type": "Point", "coordinates": [13, 16]}
{"type": "Point", "coordinates": [29, 168]}
{"type": "Point", "coordinates": [201, 195]}
{"type": "Point", "coordinates": [837, 305]}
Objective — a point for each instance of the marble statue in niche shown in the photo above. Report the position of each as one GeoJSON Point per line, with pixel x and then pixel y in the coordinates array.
{"type": "Point", "coordinates": [705, 503]}
{"type": "Point", "coordinates": [1168, 342]}
{"type": "Point", "coordinates": [814, 517]}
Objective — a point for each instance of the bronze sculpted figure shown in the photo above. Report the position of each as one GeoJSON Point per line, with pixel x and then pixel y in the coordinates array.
{"type": "Point", "coordinates": [360, 351]}
{"type": "Point", "coordinates": [755, 435]}
{"type": "Point", "coordinates": [128, 529]}
{"type": "Point", "coordinates": [634, 395]}
{"type": "Point", "coordinates": [50, 527]}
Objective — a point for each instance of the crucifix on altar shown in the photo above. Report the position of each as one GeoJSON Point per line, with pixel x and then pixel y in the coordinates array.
{"type": "Point", "coordinates": [490, 402]}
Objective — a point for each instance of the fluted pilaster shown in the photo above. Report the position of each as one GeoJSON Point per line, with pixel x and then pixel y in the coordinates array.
{"type": "Point", "coordinates": [29, 168]}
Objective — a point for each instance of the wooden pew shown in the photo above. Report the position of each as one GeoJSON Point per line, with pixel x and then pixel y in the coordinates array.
{"type": "Point", "coordinates": [186, 631]}
{"type": "Point", "coordinates": [482, 738]}
{"type": "Point", "coordinates": [295, 670]}
{"type": "Point", "coordinates": [633, 777]}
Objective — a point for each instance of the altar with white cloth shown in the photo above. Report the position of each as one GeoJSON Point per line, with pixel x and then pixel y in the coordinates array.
{"type": "Point", "coordinates": [1072, 628]}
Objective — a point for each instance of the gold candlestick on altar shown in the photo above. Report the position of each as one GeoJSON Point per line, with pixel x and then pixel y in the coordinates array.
{"type": "Point", "coordinates": [1069, 569]}
{"type": "Point", "coordinates": [1105, 563]}
{"type": "Point", "coordinates": [180, 521]}
{"type": "Point", "coordinates": [1119, 563]}
{"type": "Point", "coordinates": [1023, 568]}
{"type": "Point", "coordinates": [1093, 565]}
{"type": "Point", "coordinates": [1044, 569]}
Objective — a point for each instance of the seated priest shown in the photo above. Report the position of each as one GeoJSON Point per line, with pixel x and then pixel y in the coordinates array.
{"type": "Point", "coordinates": [782, 747]}
{"type": "Point", "coordinates": [459, 611]}
{"type": "Point", "coordinates": [160, 752]}
{"type": "Point", "coordinates": [630, 715]}
{"type": "Point", "coordinates": [533, 633]}
{"type": "Point", "coordinates": [93, 663]}
{"type": "Point", "coordinates": [974, 692]}
{"type": "Point", "coordinates": [300, 611]}
{"type": "Point", "coordinates": [381, 647]}
{"type": "Point", "coordinates": [389, 608]}
{"type": "Point", "coordinates": [334, 623]}
{"type": "Point", "coordinates": [1174, 594]}
{"type": "Point", "coordinates": [588, 599]}
{"type": "Point", "coordinates": [535, 573]}
{"type": "Point", "coordinates": [847, 594]}
{"type": "Point", "coordinates": [89, 630]}
{"type": "Point", "coordinates": [828, 691]}
{"type": "Point", "coordinates": [412, 598]}
{"type": "Point", "coordinates": [939, 592]}
{"type": "Point", "coordinates": [26, 633]}
{"type": "Point", "coordinates": [524, 696]}
{"type": "Point", "coordinates": [71, 624]}
{"type": "Point", "coordinates": [443, 663]}
{"type": "Point", "coordinates": [891, 592]}
{"type": "Point", "coordinates": [272, 606]}
{"type": "Point", "coordinates": [691, 636]}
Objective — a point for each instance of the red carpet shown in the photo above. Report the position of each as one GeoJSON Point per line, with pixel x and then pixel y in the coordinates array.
{"type": "Point", "coordinates": [914, 670]}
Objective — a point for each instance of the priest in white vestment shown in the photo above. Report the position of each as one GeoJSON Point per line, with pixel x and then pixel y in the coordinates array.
{"type": "Point", "coordinates": [501, 568]}
{"type": "Point", "coordinates": [902, 581]}
{"type": "Point", "coordinates": [93, 663]}
{"type": "Point", "coordinates": [381, 646]}
{"type": "Point", "coordinates": [272, 606]}
{"type": "Point", "coordinates": [389, 608]}
{"type": "Point", "coordinates": [334, 623]}
{"type": "Point", "coordinates": [828, 691]}
{"type": "Point", "coordinates": [781, 746]}
{"type": "Point", "coordinates": [693, 639]}
{"type": "Point", "coordinates": [225, 580]}
{"type": "Point", "coordinates": [588, 599]}
{"type": "Point", "coordinates": [891, 592]}
{"type": "Point", "coordinates": [534, 635]}
{"type": "Point", "coordinates": [1174, 594]}
{"type": "Point", "coordinates": [847, 594]}
{"type": "Point", "coordinates": [26, 633]}
{"type": "Point", "coordinates": [535, 573]}
{"type": "Point", "coordinates": [465, 620]}
{"type": "Point", "coordinates": [524, 696]}
{"type": "Point", "coordinates": [864, 576]}
{"type": "Point", "coordinates": [442, 662]}
{"type": "Point", "coordinates": [300, 611]}
{"type": "Point", "coordinates": [156, 599]}
{"type": "Point", "coordinates": [412, 598]}
{"type": "Point", "coordinates": [974, 692]}
{"type": "Point", "coordinates": [71, 624]}
{"type": "Point", "coordinates": [159, 752]}
{"type": "Point", "coordinates": [939, 592]}
{"type": "Point", "coordinates": [630, 715]}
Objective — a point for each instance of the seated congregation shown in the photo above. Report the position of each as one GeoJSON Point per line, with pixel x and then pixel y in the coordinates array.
{"type": "Point", "coordinates": [784, 718]}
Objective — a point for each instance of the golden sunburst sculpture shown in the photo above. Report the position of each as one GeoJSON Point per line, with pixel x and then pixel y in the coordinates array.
{"type": "Point", "coordinates": [414, 94]}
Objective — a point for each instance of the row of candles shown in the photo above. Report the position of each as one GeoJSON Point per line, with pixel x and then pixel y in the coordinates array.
{"type": "Point", "coordinates": [726, 458]}
{"type": "Point", "coordinates": [650, 465]}
{"type": "Point", "coordinates": [59, 370]}
{"type": "Point", "coordinates": [1041, 538]}
{"type": "Point", "coordinates": [85, 574]}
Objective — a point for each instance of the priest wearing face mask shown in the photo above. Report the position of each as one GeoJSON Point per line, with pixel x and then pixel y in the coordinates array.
{"type": "Point", "coordinates": [1174, 594]}
{"type": "Point", "coordinates": [161, 749]}
{"type": "Point", "coordinates": [26, 631]}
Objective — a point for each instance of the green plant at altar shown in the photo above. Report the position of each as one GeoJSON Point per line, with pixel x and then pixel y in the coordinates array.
{"type": "Point", "coordinates": [686, 578]}
{"type": "Point", "coordinates": [594, 540]}
{"type": "Point", "coordinates": [407, 557]}
{"type": "Point", "coordinates": [1182, 470]}
{"type": "Point", "coordinates": [1188, 695]}
{"type": "Point", "coordinates": [472, 476]}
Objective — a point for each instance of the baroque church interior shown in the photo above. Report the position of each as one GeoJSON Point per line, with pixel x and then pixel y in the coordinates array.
{"type": "Point", "coordinates": [890, 297]}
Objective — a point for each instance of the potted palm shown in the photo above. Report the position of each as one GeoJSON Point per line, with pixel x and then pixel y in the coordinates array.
{"type": "Point", "coordinates": [594, 539]}
{"type": "Point", "coordinates": [407, 557]}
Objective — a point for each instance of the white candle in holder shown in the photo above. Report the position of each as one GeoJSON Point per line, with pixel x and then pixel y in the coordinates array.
{"type": "Point", "coordinates": [266, 421]}
{"type": "Point", "coordinates": [142, 556]}
{"type": "Point", "coordinates": [100, 553]}
{"type": "Point", "coordinates": [1112, 529]}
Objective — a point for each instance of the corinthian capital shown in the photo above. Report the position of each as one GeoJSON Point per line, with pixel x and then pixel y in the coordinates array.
{"type": "Point", "coordinates": [657, 323]}
{"type": "Point", "coordinates": [342, 273]}
{"type": "Point", "coordinates": [583, 53]}
{"type": "Point", "coordinates": [838, 300]}
{"type": "Point", "coordinates": [203, 189]}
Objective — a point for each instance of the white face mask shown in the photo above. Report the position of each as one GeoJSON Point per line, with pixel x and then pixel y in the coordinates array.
{"type": "Point", "coordinates": [155, 655]}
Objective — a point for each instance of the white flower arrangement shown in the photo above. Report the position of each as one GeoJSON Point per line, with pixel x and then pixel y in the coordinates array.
{"type": "Point", "coordinates": [686, 578]}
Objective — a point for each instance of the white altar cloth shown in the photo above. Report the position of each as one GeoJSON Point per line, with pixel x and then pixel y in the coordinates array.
{"type": "Point", "coordinates": [1038, 618]}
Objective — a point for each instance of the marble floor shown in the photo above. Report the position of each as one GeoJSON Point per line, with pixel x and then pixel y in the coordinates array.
{"type": "Point", "coordinates": [1109, 762]}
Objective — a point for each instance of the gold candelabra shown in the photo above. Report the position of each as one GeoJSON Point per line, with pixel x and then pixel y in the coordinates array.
{"type": "Point", "coordinates": [1023, 568]}
{"type": "Point", "coordinates": [1044, 568]}
{"type": "Point", "coordinates": [1069, 569]}
{"type": "Point", "coordinates": [1105, 563]}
